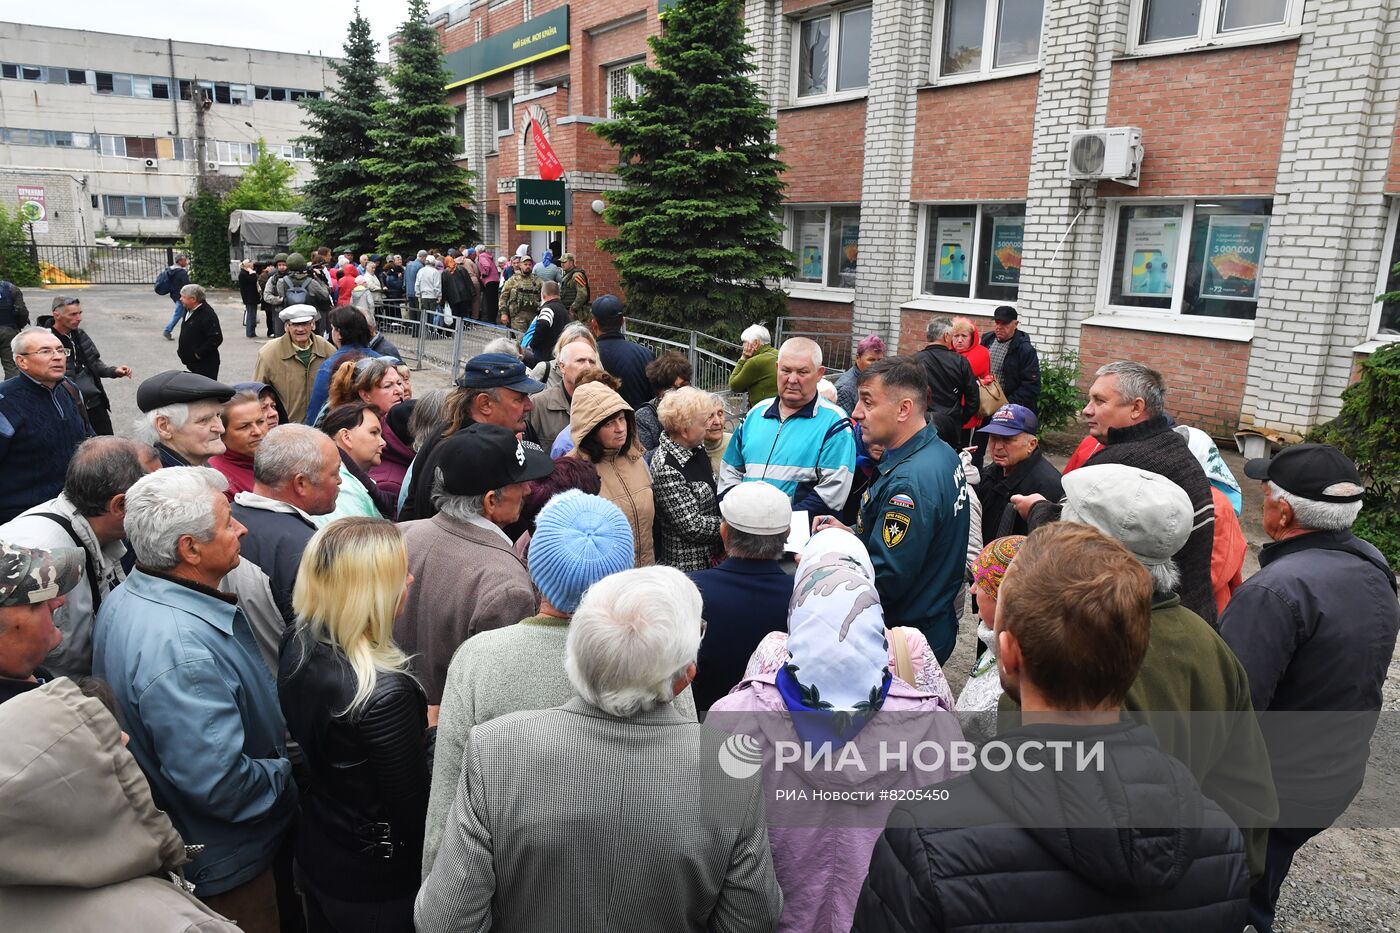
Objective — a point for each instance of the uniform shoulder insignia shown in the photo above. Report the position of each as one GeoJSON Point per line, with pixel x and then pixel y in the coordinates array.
{"type": "Point", "coordinates": [893, 528]}
{"type": "Point", "coordinates": [901, 500]}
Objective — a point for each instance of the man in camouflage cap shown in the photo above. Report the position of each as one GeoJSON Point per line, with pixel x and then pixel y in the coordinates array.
{"type": "Point", "coordinates": [33, 583]}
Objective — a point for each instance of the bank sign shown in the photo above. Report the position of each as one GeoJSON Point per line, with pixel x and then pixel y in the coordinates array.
{"type": "Point", "coordinates": [531, 41]}
{"type": "Point", "coordinates": [540, 205]}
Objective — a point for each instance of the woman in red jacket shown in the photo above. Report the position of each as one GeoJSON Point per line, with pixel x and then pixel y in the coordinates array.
{"type": "Point", "coordinates": [966, 342]}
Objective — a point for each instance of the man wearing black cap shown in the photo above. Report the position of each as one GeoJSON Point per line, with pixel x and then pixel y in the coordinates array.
{"type": "Point", "coordinates": [1315, 630]}
{"type": "Point", "coordinates": [1014, 360]}
{"type": "Point", "coordinates": [625, 359]}
{"type": "Point", "coordinates": [180, 417]}
{"type": "Point", "coordinates": [480, 475]}
{"type": "Point", "coordinates": [494, 388]}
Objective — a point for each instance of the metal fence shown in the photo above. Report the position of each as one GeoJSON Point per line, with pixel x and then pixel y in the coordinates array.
{"type": "Point", "coordinates": [102, 265]}
{"type": "Point", "coordinates": [712, 358]}
{"type": "Point", "coordinates": [832, 335]}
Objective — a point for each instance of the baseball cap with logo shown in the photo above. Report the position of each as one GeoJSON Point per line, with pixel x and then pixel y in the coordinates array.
{"type": "Point", "coordinates": [497, 371]}
{"type": "Point", "coordinates": [1319, 472]}
{"type": "Point", "coordinates": [1010, 420]}
{"type": "Point", "coordinates": [33, 575]}
{"type": "Point", "coordinates": [483, 457]}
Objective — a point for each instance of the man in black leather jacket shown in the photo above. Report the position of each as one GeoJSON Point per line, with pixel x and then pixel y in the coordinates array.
{"type": "Point", "coordinates": [952, 386]}
{"type": "Point", "coordinates": [85, 366]}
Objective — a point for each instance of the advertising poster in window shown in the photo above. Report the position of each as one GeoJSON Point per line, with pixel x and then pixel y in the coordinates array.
{"type": "Point", "coordinates": [809, 252]}
{"type": "Point", "coordinates": [954, 248]}
{"type": "Point", "coordinates": [1008, 235]}
{"type": "Point", "coordinates": [1234, 252]}
{"type": "Point", "coordinates": [1151, 252]}
{"type": "Point", "coordinates": [850, 251]}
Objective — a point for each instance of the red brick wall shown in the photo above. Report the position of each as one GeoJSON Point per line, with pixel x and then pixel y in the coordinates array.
{"type": "Point", "coordinates": [1212, 122]}
{"type": "Point", "coordinates": [584, 234]}
{"type": "Point", "coordinates": [796, 6]}
{"type": "Point", "coordinates": [1205, 378]}
{"type": "Point", "coordinates": [973, 141]}
{"type": "Point", "coordinates": [824, 148]}
{"type": "Point", "coordinates": [913, 325]}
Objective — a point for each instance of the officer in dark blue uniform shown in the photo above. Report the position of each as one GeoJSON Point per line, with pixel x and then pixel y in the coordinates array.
{"type": "Point", "coordinates": [914, 518]}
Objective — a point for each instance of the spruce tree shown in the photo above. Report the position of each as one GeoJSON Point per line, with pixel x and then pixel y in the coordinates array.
{"type": "Point", "coordinates": [698, 228]}
{"type": "Point", "coordinates": [336, 200]}
{"type": "Point", "coordinates": [419, 198]}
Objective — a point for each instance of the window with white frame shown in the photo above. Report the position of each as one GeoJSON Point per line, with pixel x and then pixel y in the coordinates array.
{"type": "Point", "coordinates": [1202, 258]}
{"type": "Point", "coordinates": [133, 205]}
{"type": "Point", "coordinates": [1184, 23]}
{"type": "Point", "coordinates": [505, 113]}
{"type": "Point", "coordinates": [825, 244]}
{"type": "Point", "coordinates": [1387, 320]}
{"type": "Point", "coordinates": [622, 85]}
{"type": "Point", "coordinates": [459, 126]}
{"type": "Point", "coordinates": [973, 250]}
{"type": "Point", "coordinates": [983, 37]}
{"type": "Point", "coordinates": [831, 54]}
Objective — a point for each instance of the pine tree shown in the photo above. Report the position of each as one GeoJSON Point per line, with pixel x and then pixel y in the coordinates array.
{"type": "Point", "coordinates": [419, 197]}
{"type": "Point", "coordinates": [698, 229]}
{"type": "Point", "coordinates": [336, 200]}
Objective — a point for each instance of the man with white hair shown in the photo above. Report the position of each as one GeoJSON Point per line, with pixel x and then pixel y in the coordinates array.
{"type": "Point", "coordinates": [194, 694]}
{"type": "Point", "coordinates": [180, 417]}
{"type": "Point", "coordinates": [1191, 690]}
{"type": "Point", "coordinates": [798, 441]}
{"type": "Point", "coordinates": [41, 422]}
{"type": "Point", "coordinates": [554, 404]}
{"type": "Point", "coordinates": [1315, 629]}
{"type": "Point", "coordinates": [200, 333]}
{"type": "Point", "coordinates": [296, 475]}
{"type": "Point", "coordinates": [617, 774]}
{"type": "Point", "coordinates": [479, 478]}
{"type": "Point", "coordinates": [952, 388]}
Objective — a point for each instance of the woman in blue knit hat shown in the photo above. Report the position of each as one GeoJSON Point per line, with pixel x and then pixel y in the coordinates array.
{"type": "Point", "coordinates": [578, 540]}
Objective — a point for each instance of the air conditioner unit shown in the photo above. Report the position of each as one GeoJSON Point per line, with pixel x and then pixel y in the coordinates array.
{"type": "Point", "coordinates": [150, 164]}
{"type": "Point", "coordinates": [212, 166]}
{"type": "Point", "coordinates": [1108, 154]}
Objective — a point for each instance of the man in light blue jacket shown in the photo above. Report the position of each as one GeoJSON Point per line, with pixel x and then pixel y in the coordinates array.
{"type": "Point", "coordinates": [198, 701]}
{"type": "Point", "coordinates": [410, 279]}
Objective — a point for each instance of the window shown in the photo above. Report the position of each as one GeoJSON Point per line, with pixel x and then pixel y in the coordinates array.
{"type": "Point", "coordinates": [505, 113]}
{"type": "Point", "coordinates": [622, 85]}
{"type": "Point", "coordinates": [140, 147]}
{"type": "Point", "coordinates": [9, 71]}
{"type": "Point", "coordinates": [77, 76]}
{"type": "Point", "coordinates": [112, 145]}
{"type": "Point", "coordinates": [1195, 22]}
{"type": "Point", "coordinates": [831, 54]}
{"type": "Point", "coordinates": [459, 127]}
{"type": "Point", "coordinates": [114, 205]}
{"type": "Point", "coordinates": [982, 37]}
{"type": "Point", "coordinates": [160, 89]}
{"type": "Point", "coordinates": [104, 83]}
{"type": "Point", "coordinates": [31, 72]}
{"type": "Point", "coordinates": [973, 250]}
{"type": "Point", "coordinates": [825, 243]}
{"type": "Point", "coordinates": [1388, 313]}
{"type": "Point", "coordinates": [1200, 258]}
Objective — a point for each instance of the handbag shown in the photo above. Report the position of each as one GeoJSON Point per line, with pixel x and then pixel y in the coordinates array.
{"type": "Point", "coordinates": [990, 397]}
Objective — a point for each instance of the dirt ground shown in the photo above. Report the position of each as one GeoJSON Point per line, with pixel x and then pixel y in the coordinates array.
{"type": "Point", "coordinates": [1343, 880]}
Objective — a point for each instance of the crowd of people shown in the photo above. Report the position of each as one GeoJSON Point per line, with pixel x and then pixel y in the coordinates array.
{"type": "Point", "coordinates": [312, 652]}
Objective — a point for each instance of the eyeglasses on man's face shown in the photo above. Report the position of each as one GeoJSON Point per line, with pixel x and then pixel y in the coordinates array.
{"type": "Point", "coordinates": [47, 352]}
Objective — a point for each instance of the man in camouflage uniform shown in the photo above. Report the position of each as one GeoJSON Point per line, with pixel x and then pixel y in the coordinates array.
{"type": "Point", "coordinates": [524, 301]}
{"type": "Point", "coordinates": [573, 288]}
{"type": "Point", "coordinates": [33, 583]}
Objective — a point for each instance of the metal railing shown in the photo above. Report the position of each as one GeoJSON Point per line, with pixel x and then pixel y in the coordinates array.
{"type": "Point", "coordinates": [832, 335]}
{"type": "Point", "coordinates": [101, 265]}
{"type": "Point", "coordinates": [712, 358]}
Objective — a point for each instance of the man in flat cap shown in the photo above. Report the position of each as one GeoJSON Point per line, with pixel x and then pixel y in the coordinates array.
{"type": "Point", "coordinates": [1315, 629]}
{"type": "Point", "coordinates": [180, 417]}
{"type": "Point", "coordinates": [33, 583]}
{"type": "Point", "coordinates": [290, 363]}
{"type": "Point", "coordinates": [42, 421]}
{"type": "Point", "coordinates": [479, 479]}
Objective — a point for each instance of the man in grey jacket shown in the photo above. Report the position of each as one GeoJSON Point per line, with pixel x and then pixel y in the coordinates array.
{"type": "Point", "coordinates": [638, 838]}
{"type": "Point", "coordinates": [88, 514]}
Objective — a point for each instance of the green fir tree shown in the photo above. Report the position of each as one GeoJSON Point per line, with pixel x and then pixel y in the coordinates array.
{"type": "Point", "coordinates": [336, 200]}
{"type": "Point", "coordinates": [699, 239]}
{"type": "Point", "coordinates": [419, 197]}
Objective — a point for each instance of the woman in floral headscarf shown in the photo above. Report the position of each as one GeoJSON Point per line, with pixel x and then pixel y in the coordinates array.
{"type": "Point", "coordinates": [837, 678]}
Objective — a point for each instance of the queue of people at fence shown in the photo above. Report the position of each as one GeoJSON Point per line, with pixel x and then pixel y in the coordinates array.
{"type": "Point", "coordinates": [271, 705]}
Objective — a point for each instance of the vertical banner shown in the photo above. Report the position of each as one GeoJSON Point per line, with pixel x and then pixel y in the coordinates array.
{"type": "Point", "coordinates": [954, 248]}
{"type": "Point", "coordinates": [810, 253]}
{"type": "Point", "coordinates": [849, 257]}
{"type": "Point", "coordinates": [32, 208]}
{"type": "Point", "coordinates": [1234, 252]}
{"type": "Point", "coordinates": [550, 167]}
{"type": "Point", "coordinates": [1008, 237]}
{"type": "Point", "coordinates": [1151, 251]}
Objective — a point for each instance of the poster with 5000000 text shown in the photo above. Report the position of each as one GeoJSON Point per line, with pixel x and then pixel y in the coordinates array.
{"type": "Point", "coordinates": [1008, 235]}
{"type": "Point", "coordinates": [1234, 253]}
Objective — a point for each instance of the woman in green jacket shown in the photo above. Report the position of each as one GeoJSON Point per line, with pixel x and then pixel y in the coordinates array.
{"type": "Point", "coordinates": [757, 369]}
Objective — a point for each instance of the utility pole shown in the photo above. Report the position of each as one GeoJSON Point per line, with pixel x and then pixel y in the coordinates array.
{"type": "Point", "coordinates": [201, 144]}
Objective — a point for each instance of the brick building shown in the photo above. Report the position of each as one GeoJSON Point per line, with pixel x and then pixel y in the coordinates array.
{"type": "Point", "coordinates": [929, 137]}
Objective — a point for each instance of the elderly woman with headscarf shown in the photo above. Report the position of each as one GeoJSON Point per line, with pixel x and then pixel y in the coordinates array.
{"type": "Point", "coordinates": [605, 436]}
{"type": "Point", "coordinates": [837, 678]}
